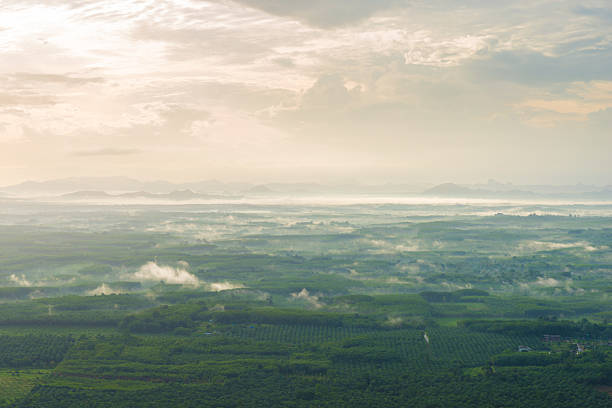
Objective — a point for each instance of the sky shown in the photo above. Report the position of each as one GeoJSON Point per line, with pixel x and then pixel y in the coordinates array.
{"type": "Point", "coordinates": [370, 91]}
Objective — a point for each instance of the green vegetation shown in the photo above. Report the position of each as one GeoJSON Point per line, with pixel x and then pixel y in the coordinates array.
{"type": "Point", "coordinates": [40, 351]}
{"type": "Point", "coordinates": [15, 385]}
{"type": "Point", "coordinates": [250, 306]}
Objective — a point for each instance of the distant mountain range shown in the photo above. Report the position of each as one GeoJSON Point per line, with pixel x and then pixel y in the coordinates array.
{"type": "Point", "coordinates": [455, 190]}
{"type": "Point", "coordinates": [580, 191]}
{"type": "Point", "coordinates": [97, 187]}
{"type": "Point", "coordinates": [83, 188]}
{"type": "Point", "coordinates": [118, 185]}
{"type": "Point", "coordinates": [179, 195]}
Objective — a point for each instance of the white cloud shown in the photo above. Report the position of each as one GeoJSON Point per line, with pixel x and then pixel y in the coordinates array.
{"type": "Point", "coordinates": [547, 282]}
{"type": "Point", "coordinates": [324, 13]}
{"type": "Point", "coordinates": [304, 295]}
{"type": "Point", "coordinates": [103, 289]}
{"type": "Point", "coordinates": [20, 280]}
{"type": "Point", "coordinates": [549, 246]}
{"type": "Point", "coordinates": [219, 286]}
{"type": "Point", "coordinates": [395, 321]}
{"type": "Point", "coordinates": [255, 88]}
{"type": "Point", "coordinates": [153, 272]}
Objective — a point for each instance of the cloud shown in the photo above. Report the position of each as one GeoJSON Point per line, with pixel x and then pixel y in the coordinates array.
{"type": "Point", "coordinates": [306, 296]}
{"type": "Point", "coordinates": [142, 127]}
{"type": "Point", "coordinates": [394, 321]}
{"type": "Point", "coordinates": [219, 286]}
{"type": "Point", "coordinates": [268, 89]}
{"type": "Point", "coordinates": [547, 282]}
{"type": "Point", "coordinates": [108, 151]}
{"type": "Point", "coordinates": [597, 12]}
{"type": "Point", "coordinates": [532, 67]}
{"type": "Point", "coordinates": [103, 289]}
{"type": "Point", "coordinates": [179, 118]}
{"type": "Point", "coordinates": [324, 103]}
{"type": "Point", "coordinates": [187, 43]}
{"type": "Point", "coordinates": [386, 247]}
{"type": "Point", "coordinates": [602, 118]}
{"type": "Point", "coordinates": [323, 13]}
{"type": "Point", "coordinates": [284, 62]}
{"type": "Point", "coordinates": [166, 123]}
{"type": "Point", "coordinates": [31, 99]}
{"type": "Point", "coordinates": [329, 91]}
{"type": "Point", "coordinates": [425, 50]}
{"type": "Point", "coordinates": [20, 280]}
{"type": "Point", "coordinates": [153, 272]}
{"type": "Point", "coordinates": [55, 78]}
{"type": "Point", "coordinates": [551, 246]}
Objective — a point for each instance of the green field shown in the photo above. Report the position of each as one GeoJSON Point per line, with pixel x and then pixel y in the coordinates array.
{"type": "Point", "coordinates": [360, 306]}
{"type": "Point", "coordinates": [16, 384]}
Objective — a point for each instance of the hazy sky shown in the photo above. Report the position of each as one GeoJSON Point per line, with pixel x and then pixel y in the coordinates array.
{"type": "Point", "coordinates": [276, 90]}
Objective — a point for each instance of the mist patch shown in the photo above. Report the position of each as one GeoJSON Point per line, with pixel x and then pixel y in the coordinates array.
{"type": "Point", "coordinates": [153, 272]}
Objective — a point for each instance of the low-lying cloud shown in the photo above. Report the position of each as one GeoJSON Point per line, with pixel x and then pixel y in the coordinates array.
{"type": "Point", "coordinates": [219, 286]}
{"type": "Point", "coordinates": [547, 282]}
{"type": "Point", "coordinates": [395, 321]}
{"type": "Point", "coordinates": [305, 295]}
{"type": "Point", "coordinates": [551, 246]}
{"type": "Point", "coordinates": [383, 247]}
{"type": "Point", "coordinates": [20, 280]}
{"type": "Point", "coordinates": [103, 289]}
{"type": "Point", "coordinates": [153, 272]}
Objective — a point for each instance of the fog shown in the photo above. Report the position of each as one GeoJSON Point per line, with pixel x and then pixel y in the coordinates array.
{"type": "Point", "coordinates": [151, 271]}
